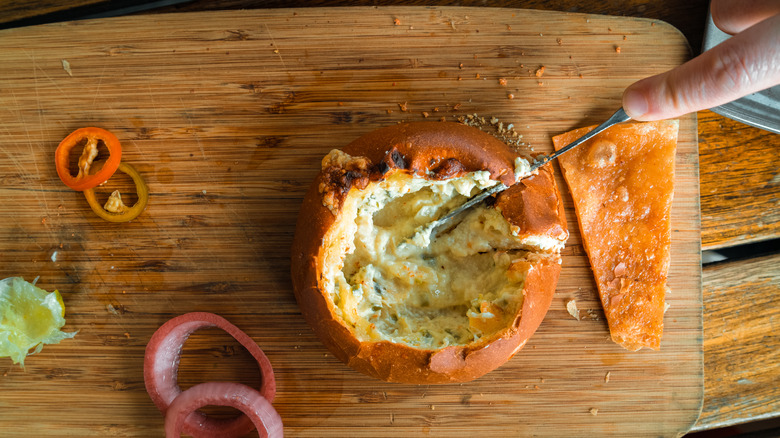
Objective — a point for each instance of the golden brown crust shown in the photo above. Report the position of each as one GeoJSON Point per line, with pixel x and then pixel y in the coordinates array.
{"type": "Point", "coordinates": [436, 150]}
{"type": "Point", "coordinates": [622, 183]}
{"type": "Point", "coordinates": [534, 206]}
{"type": "Point", "coordinates": [431, 149]}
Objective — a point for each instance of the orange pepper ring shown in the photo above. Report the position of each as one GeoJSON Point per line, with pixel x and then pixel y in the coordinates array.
{"type": "Point", "coordinates": [62, 158]}
{"type": "Point", "coordinates": [141, 189]}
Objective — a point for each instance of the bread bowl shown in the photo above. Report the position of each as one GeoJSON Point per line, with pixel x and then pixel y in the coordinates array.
{"type": "Point", "coordinates": [416, 311]}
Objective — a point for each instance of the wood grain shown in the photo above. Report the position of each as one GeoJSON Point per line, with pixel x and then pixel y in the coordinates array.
{"type": "Point", "coordinates": [228, 115]}
{"type": "Point", "coordinates": [736, 159]}
{"type": "Point", "coordinates": [714, 129]}
{"type": "Point", "coordinates": [688, 16]}
{"type": "Point", "coordinates": [740, 182]}
{"type": "Point", "coordinates": [741, 342]}
{"type": "Point", "coordinates": [14, 10]}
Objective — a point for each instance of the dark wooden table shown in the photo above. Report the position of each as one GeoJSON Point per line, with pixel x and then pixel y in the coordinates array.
{"type": "Point", "coordinates": [740, 200]}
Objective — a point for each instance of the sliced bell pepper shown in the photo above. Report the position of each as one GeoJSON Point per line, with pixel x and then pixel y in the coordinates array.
{"type": "Point", "coordinates": [83, 180]}
{"type": "Point", "coordinates": [115, 210]}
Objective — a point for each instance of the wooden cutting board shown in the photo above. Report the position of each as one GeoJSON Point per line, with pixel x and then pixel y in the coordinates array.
{"type": "Point", "coordinates": [227, 115]}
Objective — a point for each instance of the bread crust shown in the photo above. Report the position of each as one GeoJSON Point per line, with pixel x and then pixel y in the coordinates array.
{"type": "Point", "coordinates": [427, 149]}
{"type": "Point", "coordinates": [622, 185]}
{"type": "Point", "coordinates": [534, 206]}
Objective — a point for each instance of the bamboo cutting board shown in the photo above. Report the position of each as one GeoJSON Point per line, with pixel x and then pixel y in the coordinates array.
{"type": "Point", "coordinates": [227, 115]}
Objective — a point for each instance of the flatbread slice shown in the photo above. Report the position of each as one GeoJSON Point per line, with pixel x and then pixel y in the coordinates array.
{"type": "Point", "coordinates": [622, 183]}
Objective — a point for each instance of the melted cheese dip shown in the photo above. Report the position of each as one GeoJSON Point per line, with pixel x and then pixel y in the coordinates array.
{"type": "Point", "coordinates": [461, 285]}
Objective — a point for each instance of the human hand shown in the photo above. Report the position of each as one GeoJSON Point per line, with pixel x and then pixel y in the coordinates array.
{"type": "Point", "coordinates": [744, 64]}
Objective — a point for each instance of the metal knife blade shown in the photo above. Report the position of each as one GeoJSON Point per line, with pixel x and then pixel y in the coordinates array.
{"type": "Point", "coordinates": [619, 116]}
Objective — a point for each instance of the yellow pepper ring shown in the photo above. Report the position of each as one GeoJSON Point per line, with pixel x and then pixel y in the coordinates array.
{"type": "Point", "coordinates": [141, 190]}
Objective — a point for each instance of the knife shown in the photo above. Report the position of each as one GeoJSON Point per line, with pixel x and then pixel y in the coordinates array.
{"type": "Point", "coordinates": [619, 116]}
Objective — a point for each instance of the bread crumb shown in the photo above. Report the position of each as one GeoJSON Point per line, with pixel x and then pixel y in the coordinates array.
{"type": "Point", "coordinates": [559, 41]}
{"type": "Point", "coordinates": [127, 335]}
{"type": "Point", "coordinates": [606, 378]}
{"type": "Point", "coordinates": [571, 307]}
{"type": "Point", "coordinates": [425, 114]}
{"type": "Point", "coordinates": [495, 127]}
{"type": "Point", "coordinates": [403, 106]}
{"type": "Point", "coordinates": [502, 82]}
{"type": "Point", "coordinates": [510, 96]}
{"type": "Point", "coordinates": [396, 21]}
{"type": "Point", "coordinates": [617, 49]}
{"type": "Point", "coordinates": [625, 37]}
{"type": "Point", "coordinates": [433, 408]}
{"type": "Point", "coordinates": [594, 411]}
{"type": "Point", "coordinates": [66, 67]}
{"type": "Point", "coordinates": [539, 71]}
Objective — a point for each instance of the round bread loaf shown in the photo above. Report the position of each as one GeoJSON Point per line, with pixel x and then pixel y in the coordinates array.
{"type": "Point", "coordinates": [401, 305]}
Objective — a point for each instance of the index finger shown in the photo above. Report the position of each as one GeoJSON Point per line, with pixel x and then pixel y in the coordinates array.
{"type": "Point", "coordinates": [734, 16]}
{"type": "Point", "coordinates": [747, 63]}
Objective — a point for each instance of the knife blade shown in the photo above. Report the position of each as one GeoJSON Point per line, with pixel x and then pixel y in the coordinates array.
{"type": "Point", "coordinates": [428, 229]}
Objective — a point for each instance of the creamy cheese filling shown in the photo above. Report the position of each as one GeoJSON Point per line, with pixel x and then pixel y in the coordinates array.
{"type": "Point", "coordinates": [523, 168]}
{"type": "Point", "coordinates": [464, 284]}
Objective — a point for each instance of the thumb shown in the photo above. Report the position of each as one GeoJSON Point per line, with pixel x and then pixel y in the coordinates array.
{"type": "Point", "coordinates": [744, 64]}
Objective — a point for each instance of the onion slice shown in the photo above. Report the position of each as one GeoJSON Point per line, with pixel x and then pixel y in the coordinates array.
{"type": "Point", "coordinates": [247, 400]}
{"type": "Point", "coordinates": [161, 365]}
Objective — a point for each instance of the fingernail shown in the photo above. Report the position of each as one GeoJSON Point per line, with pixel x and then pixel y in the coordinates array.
{"type": "Point", "coordinates": [635, 104]}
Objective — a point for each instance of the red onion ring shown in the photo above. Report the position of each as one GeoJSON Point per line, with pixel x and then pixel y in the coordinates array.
{"type": "Point", "coordinates": [161, 365]}
{"type": "Point", "coordinates": [247, 400]}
